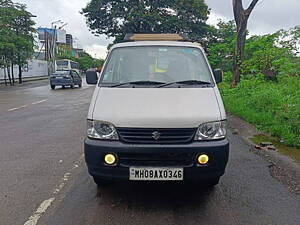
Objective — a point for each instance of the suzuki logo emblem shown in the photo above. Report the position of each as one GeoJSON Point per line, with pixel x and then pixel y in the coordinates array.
{"type": "Point", "coordinates": [156, 135]}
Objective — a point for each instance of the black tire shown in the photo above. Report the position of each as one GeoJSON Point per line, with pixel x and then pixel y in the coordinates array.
{"type": "Point", "coordinates": [63, 87]}
{"type": "Point", "coordinates": [72, 86]}
{"type": "Point", "coordinates": [211, 182]}
{"type": "Point", "coordinates": [101, 182]}
{"type": "Point", "coordinates": [52, 87]}
{"type": "Point", "coordinates": [80, 85]}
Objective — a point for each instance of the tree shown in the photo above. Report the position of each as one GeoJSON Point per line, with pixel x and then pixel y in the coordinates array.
{"type": "Point", "coordinates": [115, 18]}
{"type": "Point", "coordinates": [272, 54]}
{"type": "Point", "coordinates": [241, 17]}
{"type": "Point", "coordinates": [25, 36]}
{"type": "Point", "coordinates": [221, 45]}
{"type": "Point", "coordinates": [85, 61]}
{"type": "Point", "coordinates": [16, 36]}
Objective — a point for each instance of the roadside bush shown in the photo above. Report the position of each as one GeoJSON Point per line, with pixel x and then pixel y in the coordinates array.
{"type": "Point", "coordinates": [273, 107]}
{"type": "Point", "coordinates": [265, 53]}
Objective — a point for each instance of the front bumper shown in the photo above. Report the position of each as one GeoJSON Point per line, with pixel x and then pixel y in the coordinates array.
{"type": "Point", "coordinates": [173, 155]}
{"type": "Point", "coordinates": [59, 82]}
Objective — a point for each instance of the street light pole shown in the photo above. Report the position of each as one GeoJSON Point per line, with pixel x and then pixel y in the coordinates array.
{"type": "Point", "coordinates": [54, 43]}
{"type": "Point", "coordinates": [54, 48]}
{"type": "Point", "coordinates": [54, 22]}
{"type": "Point", "coordinates": [63, 26]}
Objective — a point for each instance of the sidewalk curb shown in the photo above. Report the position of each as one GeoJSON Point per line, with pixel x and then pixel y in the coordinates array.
{"type": "Point", "coordinates": [25, 80]}
{"type": "Point", "coordinates": [36, 79]}
{"type": "Point", "coordinates": [281, 167]}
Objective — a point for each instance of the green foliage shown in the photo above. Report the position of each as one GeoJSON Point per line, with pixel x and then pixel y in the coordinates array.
{"type": "Point", "coordinates": [221, 46]}
{"type": "Point", "coordinates": [278, 52]}
{"type": "Point", "coordinates": [85, 62]}
{"type": "Point", "coordinates": [290, 39]}
{"type": "Point", "coordinates": [98, 63]}
{"type": "Point", "coordinates": [266, 53]}
{"type": "Point", "coordinates": [16, 33]}
{"type": "Point", "coordinates": [271, 107]}
{"type": "Point", "coordinates": [115, 18]}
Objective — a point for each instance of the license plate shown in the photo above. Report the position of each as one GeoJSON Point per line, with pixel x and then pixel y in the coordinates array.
{"type": "Point", "coordinates": [149, 173]}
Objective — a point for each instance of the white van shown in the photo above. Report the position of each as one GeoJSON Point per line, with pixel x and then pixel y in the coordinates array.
{"type": "Point", "coordinates": [156, 114]}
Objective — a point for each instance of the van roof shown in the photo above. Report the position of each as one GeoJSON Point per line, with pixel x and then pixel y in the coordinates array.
{"type": "Point", "coordinates": [157, 43]}
{"type": "Point", "coordinates": [156, 37]}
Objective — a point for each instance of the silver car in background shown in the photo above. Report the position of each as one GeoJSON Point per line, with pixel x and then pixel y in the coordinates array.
{"type": "Point", "coordinates": [65, 78]}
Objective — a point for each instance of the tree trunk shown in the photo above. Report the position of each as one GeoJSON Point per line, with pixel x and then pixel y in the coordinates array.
{"type": "Point", "coordinates": [20, 70]}
{"type": "Point", "coordinates": [241, 17]}
{"type": "Point", "coordinates": [239, 53]}
{"type": "Point", "coordinates": [20, 75]}
{"type": "Point", "coordinates": [8, 74]}
{"type": "Point", "coordinates": [12, 74]}
{"type": "Point", "coordinates": [5, 79]}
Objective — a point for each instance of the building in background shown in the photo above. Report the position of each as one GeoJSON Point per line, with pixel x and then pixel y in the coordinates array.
{"type": "Point", "coordinates": [50, 40]}
{"type": "Point", "coordinates": [69, 40]}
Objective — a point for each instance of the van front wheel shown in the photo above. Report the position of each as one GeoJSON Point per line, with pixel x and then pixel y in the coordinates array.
{"type": "Point", "coordinates": [101, 182]}
{"type": "Point", "coordinates": [211, 182]}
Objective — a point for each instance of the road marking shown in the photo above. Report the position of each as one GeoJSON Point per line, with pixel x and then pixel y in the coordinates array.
{"type": "Point", "coordinates": [24, 106]}
{"type": "Point", "coordinates": [34, 218]}
{"type": "Point", "coordinates": [13, 109]}
{"type": "Point", "coordinates": [35, 103]}
{"type": "Point", "coordinates": [39, 212]}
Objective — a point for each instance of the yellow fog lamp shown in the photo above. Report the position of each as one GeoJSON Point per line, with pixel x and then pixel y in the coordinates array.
{"type": "Point", "coordinates": [203, 159]}
{"type": "Point", "coordinates": [110, 159]}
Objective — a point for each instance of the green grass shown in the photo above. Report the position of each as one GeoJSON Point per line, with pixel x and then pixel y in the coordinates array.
{"type": "Point", "coordinates": [272, 107]}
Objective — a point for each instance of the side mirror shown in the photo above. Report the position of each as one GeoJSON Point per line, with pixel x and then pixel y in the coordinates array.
{"type": "Point", "coordinates": [91, 77]}
{"type": "Point", "coordinates": [218, 74]}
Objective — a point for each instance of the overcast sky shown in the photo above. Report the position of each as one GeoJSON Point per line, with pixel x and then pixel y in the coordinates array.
{"type": "Point", "coordinates": [268, 16]}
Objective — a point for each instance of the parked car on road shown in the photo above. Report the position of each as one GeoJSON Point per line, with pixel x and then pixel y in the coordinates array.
{"type": "Point", "coordinates": [156, 114]}
{"type": "Point", "coordinates": [65, 78]}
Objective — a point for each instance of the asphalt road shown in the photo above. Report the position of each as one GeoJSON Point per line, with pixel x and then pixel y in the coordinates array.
{"type": "Point", "coordinates": [43, 178]}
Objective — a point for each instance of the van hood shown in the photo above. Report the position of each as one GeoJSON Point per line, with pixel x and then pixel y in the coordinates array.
{"type": "Point", "coordinates": [156, 108]}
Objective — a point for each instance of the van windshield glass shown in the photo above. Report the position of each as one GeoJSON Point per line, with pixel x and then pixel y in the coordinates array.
{"type": "Point", "coordinates": [155, 64]}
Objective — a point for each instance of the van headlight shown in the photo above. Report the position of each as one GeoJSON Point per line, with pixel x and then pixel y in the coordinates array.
{"type": "Point", "coordinates": [101, 130]}
{"type": "Point", "coordinates": [211, 131]}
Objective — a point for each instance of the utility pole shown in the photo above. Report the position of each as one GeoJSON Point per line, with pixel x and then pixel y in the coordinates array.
{"type": "Point", "coordinates": [53, 44]}
{"type": "Point", "coordinates": [54, 49]}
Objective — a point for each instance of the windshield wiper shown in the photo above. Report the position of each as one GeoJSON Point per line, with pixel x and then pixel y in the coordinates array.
{"type": "Point", "coordinates": [141, 82]}
{"type": "Point", "coordinates": [187, 82]}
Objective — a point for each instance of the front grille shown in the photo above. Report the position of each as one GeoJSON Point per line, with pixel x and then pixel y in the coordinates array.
{"type": "Point", "coordinates": [156, 136]}
{"type": "Point", "coordinates": [158, 159]}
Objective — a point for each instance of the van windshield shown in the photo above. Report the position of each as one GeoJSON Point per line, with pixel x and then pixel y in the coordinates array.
{"type": "Point", "coordinates": [157, 64]}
